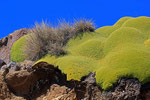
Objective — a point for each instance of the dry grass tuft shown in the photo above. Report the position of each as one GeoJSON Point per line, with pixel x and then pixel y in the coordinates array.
{"type": "Point", "coordinates": [44, 39]}
{"type": "Point", "coordinates": [84, 25]}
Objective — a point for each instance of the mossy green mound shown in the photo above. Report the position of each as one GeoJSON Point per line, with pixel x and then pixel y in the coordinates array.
{"type": "Point", "coordinates": [89, 46]}
{"type": "Point", "coordinates": [122, 36]}
{"type": "Point", "coordinates": [127, 60]}
{"type": "Point", "coordinates": [74, 66]}
{"type": "Point", "coordinates": [147, 43]}
{"type": "Point", "coordinates": [121, 50]}
{"type": "Point", "coordinates": [106, 30]}
{"type": "Point", "coordinates": [17, 50]}
{"type": "Point", "coordinates": [121, 21]}
{"type": "Point", "coordinates": [140, 23]}
{"type": "Point", "coordinates": [49, 59]}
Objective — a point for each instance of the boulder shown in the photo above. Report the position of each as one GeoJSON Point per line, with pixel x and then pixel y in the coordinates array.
{"type": "Point", "coordinates": [3, 41]}
{"type": "Point", "coordinates": [20, 81]}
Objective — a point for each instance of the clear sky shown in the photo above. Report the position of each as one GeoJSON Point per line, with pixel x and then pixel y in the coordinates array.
{"type": "Point", "coordinates": [17, 14]}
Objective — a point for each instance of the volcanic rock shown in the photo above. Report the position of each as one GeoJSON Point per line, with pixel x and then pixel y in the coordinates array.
{"type": "Point", "coordinates": [127, 89]}
{"type": "Point", "coordinates": [2, 63]}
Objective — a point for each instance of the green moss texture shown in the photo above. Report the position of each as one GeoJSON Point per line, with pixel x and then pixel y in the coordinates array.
{"type": "Point", "coordinates": [17, 50]}
{"type": "Point", "coordinates": [121, 50]}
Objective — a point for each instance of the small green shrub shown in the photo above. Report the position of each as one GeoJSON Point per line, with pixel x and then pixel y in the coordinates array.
{"type": "Point", "coordinates": [17, 50]}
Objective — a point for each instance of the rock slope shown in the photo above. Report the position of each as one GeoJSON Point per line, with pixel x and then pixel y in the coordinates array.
{"type": "Point", "coordinates": [7, 42]}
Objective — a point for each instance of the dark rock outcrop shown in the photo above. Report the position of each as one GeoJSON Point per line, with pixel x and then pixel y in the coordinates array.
{"type": "Point", "coordinates": [2, 63]}
{"type": "Point", "coordinates": [127, 89]}
{"type": "Point", "coordinates": [3, 41]}
{"type": "Point", "coordinates": [91, 88]}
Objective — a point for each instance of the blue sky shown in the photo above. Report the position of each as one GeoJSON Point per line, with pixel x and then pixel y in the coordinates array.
{"type": "Point", "coordinates": [17, 14]}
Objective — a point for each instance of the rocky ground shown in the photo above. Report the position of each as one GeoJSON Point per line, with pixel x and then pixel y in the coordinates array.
{"type": "Point", "coordinates": [22, 81]}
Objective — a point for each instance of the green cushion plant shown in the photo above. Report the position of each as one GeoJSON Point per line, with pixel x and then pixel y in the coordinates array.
{"type": "Point", "coordinates": [17, 50]}
{"type": "Point", "coordinates": [121, 50]}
